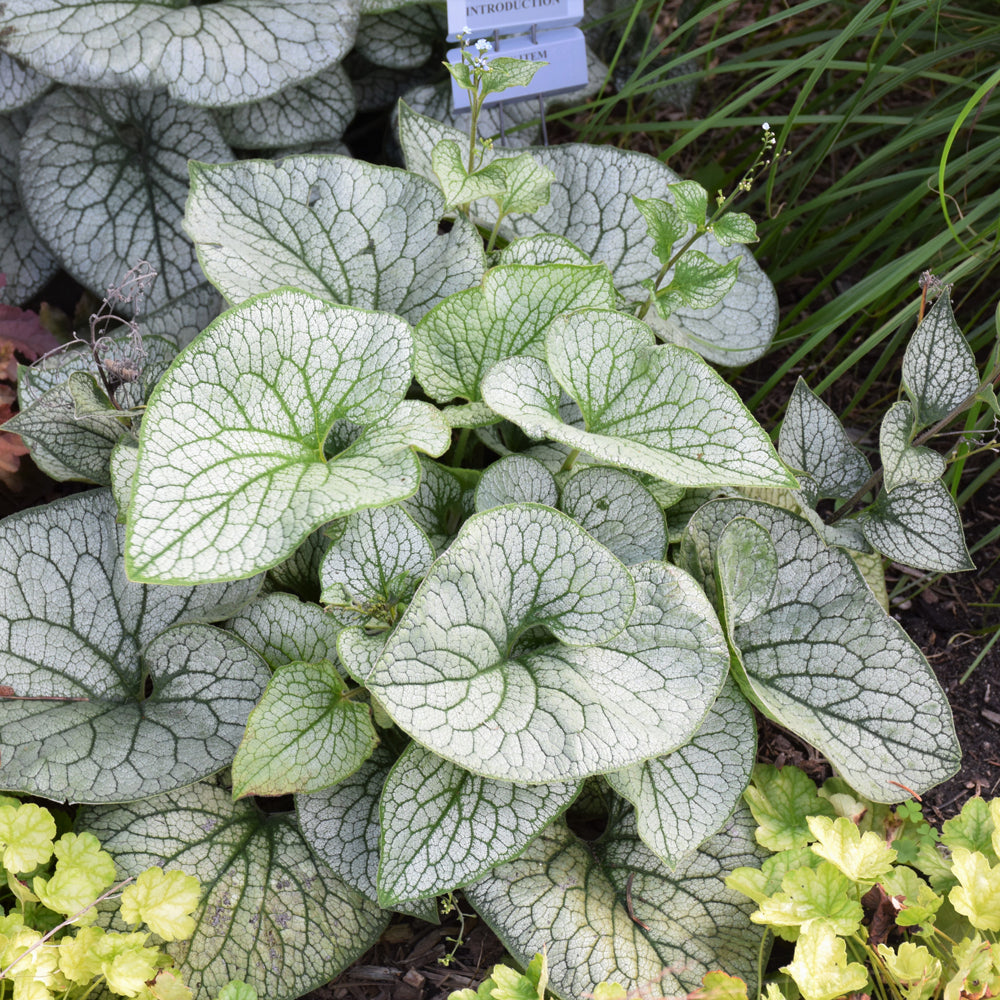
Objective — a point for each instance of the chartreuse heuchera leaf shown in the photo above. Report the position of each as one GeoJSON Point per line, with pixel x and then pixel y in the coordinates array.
{"type": "Point", "coordinates": [26, 835]}
{"type": "Point", "coordinates": [458, 340]}
{"type": "Point", "coordinates": [115, 206]}
{"type": "Point", "coordinates": [818, 654]}
{"type": "Point", "coordinates": [862, 857]}
{"type": "Point", "coordinates": [683, 797]}
{"type": "Point", "coordinates": [233, 473]}
{"type": "Point", "coordinates": [353, 232]}
{"type": "Point", "coordinates": [613, 911]}
{"type": "Point", "coordinates": [782, 800]}
{"type": "Point", "coordinates": [820, 967]}
{"type": "Point", "coordinates": [657, 409]}
{"type": "Point", "coordinates": [443, 827]}
{"type": "Point", "coordinates": [271, 914]}
{"type": "Point", "coordinates": [80, 643]}
{"type": "Point", "coordinates": [624, 678]}
{"type": "Point", "coordinates": [225, 53]}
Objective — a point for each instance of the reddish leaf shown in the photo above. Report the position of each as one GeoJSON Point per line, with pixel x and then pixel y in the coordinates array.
{"type": "Point", "coordinates": [21, 329]}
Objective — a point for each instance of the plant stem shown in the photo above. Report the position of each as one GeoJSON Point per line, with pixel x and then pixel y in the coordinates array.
{"type": "Point", "coordinates": [496, 230]}
{"type": "Point", "coordinates": [570, 459]}
{"type": "Point", "coordinates": [460, 445]}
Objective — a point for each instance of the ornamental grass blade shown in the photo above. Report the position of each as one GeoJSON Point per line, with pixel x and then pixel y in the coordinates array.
{"type": "Point", "coordinates": [233, 472]}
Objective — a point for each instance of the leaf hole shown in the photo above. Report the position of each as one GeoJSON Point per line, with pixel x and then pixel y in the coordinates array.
{"type": "Point", "coordinates": [445, 226]}
{"type": "Point", "coordinates": [131, 136]}
{"type": "Point", "coordinates": [270, 804]}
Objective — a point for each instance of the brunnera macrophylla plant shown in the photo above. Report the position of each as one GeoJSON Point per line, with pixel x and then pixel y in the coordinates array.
{"type": "Point", "coordinates": [456, 549]}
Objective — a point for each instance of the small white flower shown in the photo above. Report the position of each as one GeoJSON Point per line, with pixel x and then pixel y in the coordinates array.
{"type": "Point", "coordinates": [766, 126]}
{"type": "Point", "coordinates": [483, 45]}
{"type": "Point", "coordinates": [465, 32]}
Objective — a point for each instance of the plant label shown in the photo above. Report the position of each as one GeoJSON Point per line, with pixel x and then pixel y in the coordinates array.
{"type": "Point", "coordinates": [510, 17]}
{"type": "Point", "coordinates": [565, 52]}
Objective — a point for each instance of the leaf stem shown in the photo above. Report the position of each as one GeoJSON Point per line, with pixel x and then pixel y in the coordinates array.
{"type": "Point", "coordinates": [570, 459]}
{"type": "Point", "coordinates": [460, 445]}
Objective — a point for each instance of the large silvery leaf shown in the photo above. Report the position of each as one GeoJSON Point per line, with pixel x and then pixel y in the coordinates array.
{"type": "Point", "coordinates": [341, 825]}
{"type": "Point", "coordinates": [104, 178]}
{"type": "Point", "coordinates": [181, 319]}
{"type": "Point", "coordinates": [516, 479]}
{"type": "Point", "coordinates": [618, 511]}
{"type": "Point", "coordinates": [607, 225]}
{"type": "Point", "coordinates": [819, 654]}
{"type": "Point", "coordinates": [283, 629]}
{"type": "Point", "coordinates": [271, 914]}
{"type": "Point", "coordinates": [215, 54]}
{"type": "Point", "coordinates": [684, 797]}
{"type": "Point", "coordinates": [19, 84]}
{"type": "Point", "coordinates": [64, 445]}
{"type": "Point", "coordinates": [315, 110]}
{"type": "Point", "coordinates": [459, 339]}
{"type": "Point", "coordinates": [814, 441]}
{"type": "Point", "coordinates": [80, 642]}
{"type": "Point", "coordinates": [651, 408]}
{"type": "Point", "coordinates": [400, 39]}
{"type": "Point", "coordinates": [376, 560]}
{"type": "Point", "coordinates": [903, 462]}
{"type": "Point", "coordinates": [612, 911]}
{"type": "Point", "coordinates": [306, 734]}
{"type": "Point", "coordinates": [353, 232]}
{"type": "Point", "coordinates": [232, 473]}
{"type": "Point", "coordinates": [440, 505]}
{"type": "Point", "coordinates": [24, 259]}
{"type": "Point", "coordinates": [918, 525]}
{"type": "Point", "coordinates": [443, 827]}
{"type": "Point", "coordinates": [586, 696]}
{"type": "Point", "coordinates": [939, 370]}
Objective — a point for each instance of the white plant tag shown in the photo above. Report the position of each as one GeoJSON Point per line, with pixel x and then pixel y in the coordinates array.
{"type": "Point", "coordinates": [565, 52]}
{"type": "Point", "coordinates": [509, 17]}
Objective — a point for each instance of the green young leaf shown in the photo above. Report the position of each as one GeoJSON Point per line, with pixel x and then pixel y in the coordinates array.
{"type": "Point", "coordinates": [914, 967]}
{"type": "Point", "coordinates": [271, 914]}
{"type": "Point", "coordinates": [734, 227]}
{"type": "Point", "coordinates": [529, 185]}
{"type": "Point", "coordinates": [901, 462]}
{"type": "Point", "coordinates": [375, 562]}
{"type": "Point", "coordinates": [26, 834]}
{"type": "Point", "coordinates": [862, 857]}
{"type": "Point", "coordinates": [813, 895]}
{"type": "Point", "coordinates": [79, 642]}
{"type": "Point", "coordinates": [130, 208]}
{"type": "Point", "coordinates": [505, 73]}
{"type": "Point", "coordinates": [918, 524]}
{"type": "Point", "coordinates": [814, 441]}
{"type": "Point", "coordinates": [229, 487]}
{"type": "Point", "coordinates": [825, 660]}
{"type": "Point", "coordinates": [24, 259]}
{"type": "Point", "coordinates": [919, 901]}
{"type": "Point", "coordinates": [607, 699]}
{"type": "Point", "coordinates": [459, 186]}
{"type": "Point", "coordinates": [306, 734]}
{"type": "Point", "coordinates": [618, 511]}
{"type": "Point", "coordinates": [820, 967]}
{"type": "Point", "coordinates": [664, 222]}
{"type": "Point", "coordinates": [760, 883]}
{"type": "Point", "coordinates": [939, 370]}
{"type": "Point", "coordinates": [684, 797]}
{"type": "Point", "coordinates": [698, 282]}
{"type": "Point", "coordinates": [315, 110]}
{"type": "Point", "coordinates": [781, 799]}
{"type": "Point", "coordinates": [353, 232]}
{"type": "Point", "coordinates": [516, 479]}
{"type": "Point", "coordinates": [654, 409]}
{"type": "Point", "coordinates": [225, 53]}
{"type": "Point", "coordinates": [443, 827]}
{"type": "Point", "coordinates": [691, 201]}
{"type": "Point", "coordinates": [459, 339]}
{"type": "Point", "coordinates": [609, 227]}
{"type": "Point", "coordinates": [613, 911]}
{"type": "Point", "coordinates": [977, 896]}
